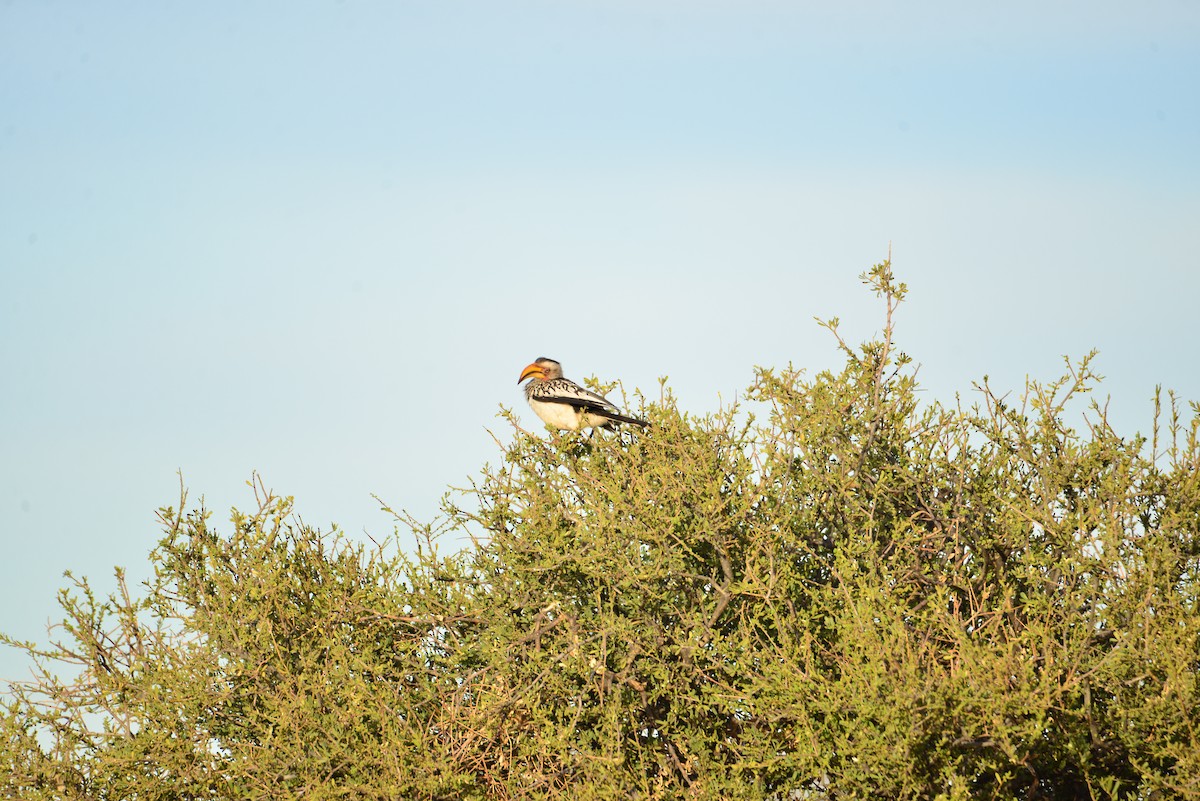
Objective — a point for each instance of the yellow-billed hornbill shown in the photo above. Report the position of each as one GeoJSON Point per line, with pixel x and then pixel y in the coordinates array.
{"type": "Point", "coordinates": [562, 403]}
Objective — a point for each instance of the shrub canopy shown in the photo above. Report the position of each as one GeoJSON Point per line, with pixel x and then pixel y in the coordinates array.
{"type": "Point", "coordinates": [859, 595]}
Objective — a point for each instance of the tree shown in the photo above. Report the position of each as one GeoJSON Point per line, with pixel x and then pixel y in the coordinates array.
{"type": "Point", "coordinates": [859, 596]}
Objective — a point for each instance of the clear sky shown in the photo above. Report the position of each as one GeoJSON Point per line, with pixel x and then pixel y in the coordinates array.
{"type": "Point", "coordinates": [319, 240]}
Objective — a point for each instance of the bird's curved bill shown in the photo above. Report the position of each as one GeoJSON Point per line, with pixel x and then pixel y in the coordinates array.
{"type": "Point", "coordinates": [529, 371]}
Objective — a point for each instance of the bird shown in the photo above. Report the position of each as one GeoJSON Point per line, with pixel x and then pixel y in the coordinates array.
{"type": "Point", "coordinates": [562, 403]}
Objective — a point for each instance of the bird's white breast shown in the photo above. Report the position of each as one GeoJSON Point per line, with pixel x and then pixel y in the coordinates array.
{"type": "Point", "coordinates": [559, 415]}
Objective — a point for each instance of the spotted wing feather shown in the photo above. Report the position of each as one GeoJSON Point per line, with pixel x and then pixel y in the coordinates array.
{"type": "Point", "coordinates": [562, 390]}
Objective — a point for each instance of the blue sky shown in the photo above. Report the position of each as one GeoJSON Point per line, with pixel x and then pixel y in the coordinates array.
{"type": "Point", "coordinates": [320, 240]}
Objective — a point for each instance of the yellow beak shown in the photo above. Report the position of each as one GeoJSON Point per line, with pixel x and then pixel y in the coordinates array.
{"type": "Point", "coordinates": [529, 371]}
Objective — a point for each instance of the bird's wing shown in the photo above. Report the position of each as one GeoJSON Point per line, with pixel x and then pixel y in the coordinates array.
{"type": "Point", "coordinates": [562, 390]}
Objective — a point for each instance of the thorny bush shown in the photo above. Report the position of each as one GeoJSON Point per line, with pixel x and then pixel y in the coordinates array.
{"type": "Point", "coordinates": [862, 595]}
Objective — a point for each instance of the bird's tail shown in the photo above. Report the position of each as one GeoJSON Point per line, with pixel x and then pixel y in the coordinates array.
{"type": "Point", "coordinates": [620, 418]}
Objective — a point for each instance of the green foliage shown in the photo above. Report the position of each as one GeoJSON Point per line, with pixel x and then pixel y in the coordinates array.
{"type": "Point", "coordinates": [860, 596]}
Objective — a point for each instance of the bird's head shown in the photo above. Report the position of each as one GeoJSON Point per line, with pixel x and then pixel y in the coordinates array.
{"type": "Point", "coordinates": [542, 369]}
